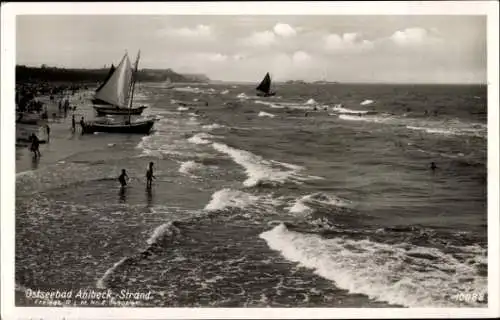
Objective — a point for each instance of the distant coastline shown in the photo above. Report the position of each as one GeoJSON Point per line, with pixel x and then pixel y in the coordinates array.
{"type": "Point", "coordinates": [346, 83]}
{"type": "Point", "coordinates": [53, 74]}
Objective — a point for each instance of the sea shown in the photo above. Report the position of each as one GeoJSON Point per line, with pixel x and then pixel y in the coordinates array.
{"type": "Point", "coordinates": [320, 196]}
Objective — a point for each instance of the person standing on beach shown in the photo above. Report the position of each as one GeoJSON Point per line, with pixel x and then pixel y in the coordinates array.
{"type": "Point", "coordinates": [35, 144]}
{"type": "Point", "coordinates": [82, 123]}
{"type": "Point", "coordinates": [47, 129]}
{"type": "Point", "coordinates": [149, 175]}
{"type": "Point", "coordinates": [123, 178]}
{"type": "Point", "coordinates": [73, 123]}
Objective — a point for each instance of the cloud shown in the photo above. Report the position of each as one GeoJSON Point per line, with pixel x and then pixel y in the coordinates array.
{"type": "Point", "coordinates": [217, 57]}
{"type": "Point", "coordinates": [284, 30]}
{"type": "Point", "coordinates": [213, 57]}
{"type": "Point", "coordinates": [269, 37]}
{"type": "Point", "coordinates": [238, 57]}
{"type": "Point", "coordinates": [264, 38]}
{"type": "Point", "coordinates": [348, 42]}
{"type": "Point", "coordinates": [414, 36]}
{"type": "Point", "coordinates": [300, 57]}
{"type": "Point", "coordinates": [198, 31]}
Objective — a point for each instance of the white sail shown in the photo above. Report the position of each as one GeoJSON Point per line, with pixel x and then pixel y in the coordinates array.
{"type": "Point", "coordinates": [117, 89]}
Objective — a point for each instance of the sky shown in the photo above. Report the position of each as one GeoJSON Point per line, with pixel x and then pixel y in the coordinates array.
{"type": "Point", "coordinates": [374, 48]}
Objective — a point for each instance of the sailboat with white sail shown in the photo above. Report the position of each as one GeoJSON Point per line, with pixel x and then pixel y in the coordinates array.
{"type": "Point", "coordinates": [110, 73]}
{"type": "Point", "coordinates": [264, 88]}
{"type": "Point", "coordinates": [113, 95]}
{"type": "Point", "coordinates": [122, 93]}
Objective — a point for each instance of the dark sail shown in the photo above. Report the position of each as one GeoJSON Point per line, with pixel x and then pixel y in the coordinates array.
{"type": "Point", "coordinates": [111, 70]}
{"type": "Point", "coordinates": [265, 85]}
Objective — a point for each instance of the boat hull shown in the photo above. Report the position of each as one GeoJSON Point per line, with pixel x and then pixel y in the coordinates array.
{"type": "Point", "coordinates": [102, 110]}
{"type": "Point", "coordinates": [264, 94]}
{"type": "Point", "coordinates": [139, 127]}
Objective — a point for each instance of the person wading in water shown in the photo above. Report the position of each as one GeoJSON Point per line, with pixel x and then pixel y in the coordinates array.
{"type": "Point", "coordinates": [149, 175]}
{"type": "Point", "coordinates": [123, 178]}
{"type": "Point", "coordinates": [433, 166]}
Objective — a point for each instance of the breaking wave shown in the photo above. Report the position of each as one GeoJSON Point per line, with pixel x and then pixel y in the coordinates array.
{"type": "Point", "coordinates": [306, 204]}
{"type": "Point", "coordinates": [401, 274]}
{"type": "Point", "coordinates": [340, 109]}
{"type": "Point", "coordinates": [265, 114]}
{"type": "Point", "coordinates": [260, 171]}
{"type": "Point", "coordinates": [201, 138]}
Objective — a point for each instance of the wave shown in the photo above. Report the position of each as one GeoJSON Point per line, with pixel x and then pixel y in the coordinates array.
{"type": "Point", "coordinates": [308, 105]}
{"type": "Point", "coordinates": [229, 198]}
{"type": "Point", "coordinates": [374, 119]}
{"type": "Point", "coordinates": [450, 131]}
{"type": "Point", "coordinates": [400, 274]}
{"type": "Point", "coordinates": [340, 109]}
{"type": "Point", "coordinates": [201, 138]}
{"type": "Point", "coordinates": [225, 92]}
{"type": "Point", "coordinates": [212, 126]}
{"type": "Point", "coordinates": [165, 230]}
{"type": "Point", "coordinates": [254, 205]}
{"type": "Point", "coordinates": [187, 167]}
{"type": "Point", "coordinates": [161, 234]}
{"type": "Point", "coordinates": [189, 89]}
{"type": "Point", "coordinates": [270, 104]}
{"type": "Point", "coordinates": [169, 139]}
{"type": "Point", "coordinates": [453, 127]}
{"type": "Point", "coordinates": [260, 171]}
{"type": "Point", "coordinates": [366, 102]}
{"type": "Point", "coordinates": [305, 204]}
{"type": "Point", "coordinates": [265, 114]}
{"type": "Point", "coordinates": [242, 96]}
{"type": "Point", "coordinates": [182, 108]}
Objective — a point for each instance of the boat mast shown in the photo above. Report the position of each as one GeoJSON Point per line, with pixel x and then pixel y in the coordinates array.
{"type": "Point", "coordinates": [134, 75]}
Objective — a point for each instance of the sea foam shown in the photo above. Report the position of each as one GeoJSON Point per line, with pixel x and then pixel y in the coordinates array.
{"type": "Point", "coordinates": [266, 114]}
{"type": "Point", "coordinates": [402, 274]}
{"type": "Point", "coordinates": [261, 171]}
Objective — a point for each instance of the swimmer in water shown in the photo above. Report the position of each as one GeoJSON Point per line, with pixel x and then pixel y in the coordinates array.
{"type": "Point", "coordinates": [433, 166]}
{"type": "Point", "coordinates": [149, 175]}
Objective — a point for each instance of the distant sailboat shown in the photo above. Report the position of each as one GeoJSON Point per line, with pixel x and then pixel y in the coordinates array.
{"type": "Point", "coordinates": [264, 88]}
{"type": "Point", "coordinates": [119, 91]}
{"type": "Point", "coordinates": [114, 92]}
{"type": "Point", "coordinates": [168, 84]}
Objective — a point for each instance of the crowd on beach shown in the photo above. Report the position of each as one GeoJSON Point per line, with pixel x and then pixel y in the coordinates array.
{"type": "Point", "coordinates": [28, 101]}
{"type": "Point", "coordinates": [27, 94]}
{"type": "Point", "coordinates": [32, 108]}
